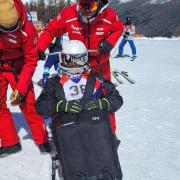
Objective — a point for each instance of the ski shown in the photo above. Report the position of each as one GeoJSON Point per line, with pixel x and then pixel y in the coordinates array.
{"type": "Point", "coordinates": [56, 168]}
{"type": "Point", "coordinates": [132, 58]}
{"type": "Point", "coordinates": [117, 77]}
{"type": "Point", "coordinates": [126, 76]}
{"type": "Point", "coordinates": [122, 56]}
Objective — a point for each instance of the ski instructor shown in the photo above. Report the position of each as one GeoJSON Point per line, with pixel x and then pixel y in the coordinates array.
{"type": "Point", "coordinates": [18, 60]}
{"type": "Point", "coordinates": [92, 22]}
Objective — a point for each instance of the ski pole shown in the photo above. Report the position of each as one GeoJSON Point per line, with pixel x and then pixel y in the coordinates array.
{"type": "Point", "coordinates": [54, 166]}
{"type": "Point", "coordinates": [58, 53]}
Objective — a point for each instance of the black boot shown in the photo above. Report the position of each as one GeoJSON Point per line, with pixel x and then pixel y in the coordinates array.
{"type": "Point", "coordinates": [44, 148]}
{"type": "Point", "coordinates": [5, 151]}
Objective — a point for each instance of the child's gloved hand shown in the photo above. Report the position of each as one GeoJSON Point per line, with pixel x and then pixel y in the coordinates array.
{"type": "Point", "coordinates": [102, 104]}
{"type": "Point", "coordinates": [69, 106]}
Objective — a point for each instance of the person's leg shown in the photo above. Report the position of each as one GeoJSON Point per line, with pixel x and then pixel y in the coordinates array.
{"type": "Point", "coordinates": [133, 48]}
{"type": "Point", "coordinates": [121, 47]}
{"type": "Point", "coordinates": [56, 62]}
{"type": "Point", "coordinates": [35, 121]}
{"type": "Point", "coordinates": [8, 134]}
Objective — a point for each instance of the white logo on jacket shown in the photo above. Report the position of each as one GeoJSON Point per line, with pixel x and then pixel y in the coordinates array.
{"type": "Point", "coordinates": [11, 38]}
{"type": "Point", "coordinates": [100, 29]}
{"type": "Point", "coordinates": [76, 28]}
{"type": "Point", "coordinates": [95, 118]}
{"type": "Point", "coordinates": [99, 33]}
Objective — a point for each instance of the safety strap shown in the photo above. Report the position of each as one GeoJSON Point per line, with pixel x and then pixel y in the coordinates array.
{"type": "Point", "coordinates": [89, 89]}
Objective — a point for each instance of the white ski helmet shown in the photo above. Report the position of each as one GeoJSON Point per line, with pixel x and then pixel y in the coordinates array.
{"type": "Point", "coordinates": [74, 57]}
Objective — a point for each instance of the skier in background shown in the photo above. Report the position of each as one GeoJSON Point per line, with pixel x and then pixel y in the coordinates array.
{"type": "Point", "coordinates": [51, 60]}
{"type": "Point", "coordinates": [92, 22]}
{"type": "Point", "coordinates": [129, 31]}
{"type": "Point", "coordinates": [18, 60]}
{"type": "Point", "coordinates": [69, 93]}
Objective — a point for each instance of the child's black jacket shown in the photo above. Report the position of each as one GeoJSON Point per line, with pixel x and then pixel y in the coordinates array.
{"type": "Point", "coordinates": [53, 92]}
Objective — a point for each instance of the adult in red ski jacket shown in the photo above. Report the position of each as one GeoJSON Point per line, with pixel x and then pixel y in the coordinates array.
{"type": "Point", "coordinates": [18, 60]}
{"type": "Point", "coordinates": [98, 30]}
{"type": "Point", "coordinates": [95, 24]}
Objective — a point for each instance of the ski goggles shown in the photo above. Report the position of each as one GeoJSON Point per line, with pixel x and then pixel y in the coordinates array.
{"type": "Point", "coordinates": [74, 60]}
{"type": "Point", "coordinates": [89, 5]}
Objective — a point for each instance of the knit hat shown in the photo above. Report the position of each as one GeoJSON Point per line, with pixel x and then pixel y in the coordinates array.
{"type": "Point", "coordinates": [8, 13]}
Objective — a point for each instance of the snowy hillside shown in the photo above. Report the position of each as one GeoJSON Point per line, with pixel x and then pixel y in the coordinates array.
{"type": "Point", "coordinates": [147, 124]}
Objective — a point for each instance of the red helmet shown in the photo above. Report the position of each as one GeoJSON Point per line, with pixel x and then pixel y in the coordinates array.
{"type": "Point", "coordinates": [88, 8]}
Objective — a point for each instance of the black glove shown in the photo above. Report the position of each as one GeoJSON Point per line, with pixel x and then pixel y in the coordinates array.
{"type": "Point", "coordinates": [125, 36]}
{"type": "Point", "coordinates": [69, 106]}
{"type": "Point", "coordinates": [51, 47]}
{"type": "Point", "coordinates": [102, 104]}
{"type": "Point", "coordinates": [127, 33]}
{"type": "Point", "coordinates": [42, 55]}
{"type": "Point", "coordinates": [105, 47]}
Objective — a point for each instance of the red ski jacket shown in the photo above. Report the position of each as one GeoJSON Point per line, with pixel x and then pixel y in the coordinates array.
{"type": "Point", "coordinates": [106, 25]}
{"type": "Point", "coordinates": [20, 48]}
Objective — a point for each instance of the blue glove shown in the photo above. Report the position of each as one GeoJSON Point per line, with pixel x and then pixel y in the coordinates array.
{"type": "Point", "coordinates": [44, 79]}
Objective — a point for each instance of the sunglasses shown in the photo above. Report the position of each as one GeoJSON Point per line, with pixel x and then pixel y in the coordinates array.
{"type": "Point", "coordinates": [88, 5]}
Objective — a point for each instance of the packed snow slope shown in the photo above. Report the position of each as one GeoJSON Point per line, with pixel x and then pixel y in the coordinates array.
{"type": "Point", "coordinates": [147, 124]}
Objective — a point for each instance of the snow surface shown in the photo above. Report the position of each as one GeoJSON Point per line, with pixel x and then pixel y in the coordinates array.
{"type": "Point", "coordinates": [147, 124]}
